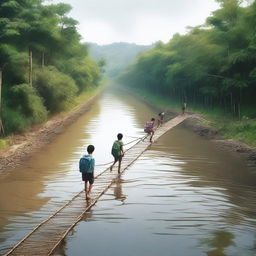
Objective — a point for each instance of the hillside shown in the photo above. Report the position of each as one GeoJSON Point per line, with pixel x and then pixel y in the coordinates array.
{"type": "Point", "coordinates": [117, 55]}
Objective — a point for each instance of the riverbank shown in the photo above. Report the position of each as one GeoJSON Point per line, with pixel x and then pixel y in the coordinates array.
{"type": "Point", "coordinates": [22, 146]}
{"type": "Point", "coordinates": [208, 125]}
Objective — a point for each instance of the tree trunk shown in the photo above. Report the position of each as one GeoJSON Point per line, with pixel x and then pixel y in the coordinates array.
{"type": "Point", "coordinates": [42, 59]}
{"type": "Point", "coordinates": [30, 68]}
{"type": "Point", "coordinates": [231, 102]}
{"type": "Point", "coordinates": [1, 123]}
{"type": "Point", "coordinates": [239, 110]}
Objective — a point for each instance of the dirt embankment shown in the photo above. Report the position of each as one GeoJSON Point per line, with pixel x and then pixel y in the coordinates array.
{"type": "Point", "coordinates": [25, 145]}
{"type": "Point", "coordinates": [199, 126]}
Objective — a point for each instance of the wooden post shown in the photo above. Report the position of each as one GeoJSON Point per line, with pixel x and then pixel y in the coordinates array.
{"type": "Point", "coordinates": [1, 123]}
{"type": "Point", "coordinates": [30, 67]}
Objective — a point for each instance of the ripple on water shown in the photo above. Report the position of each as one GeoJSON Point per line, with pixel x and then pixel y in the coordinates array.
{"type": "Point", "coordinates": [168, 204]}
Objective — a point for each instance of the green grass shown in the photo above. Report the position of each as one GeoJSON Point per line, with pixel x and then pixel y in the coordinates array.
{"type": "Point", "coordinates": [3, 143]}
{"type": "Point", "coordinates": [243, 130]}
{"type": "Point", "coordinates": [158, 100]}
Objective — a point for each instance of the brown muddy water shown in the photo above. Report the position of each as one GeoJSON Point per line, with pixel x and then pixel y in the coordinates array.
{"type": "Point", "coordinates": [182, 197]}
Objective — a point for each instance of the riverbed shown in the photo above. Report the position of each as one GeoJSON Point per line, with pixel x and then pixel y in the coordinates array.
{"type": "Point", "coordinates": [182, 197]}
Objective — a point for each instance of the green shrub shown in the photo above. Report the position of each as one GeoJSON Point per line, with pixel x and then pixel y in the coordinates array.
{"type": "Point", "coordinates": [14, 121]}
{"type": "Point", "coordinates": [243, 130]}
{"type": "Point", "coordinates": [85, 72]}
{"type": "Point", "coordinates": [57, 89]}
{"type": "Point", "coordinates": [22, 107]}
{"type": "Point", "coordinates": [25, 100]}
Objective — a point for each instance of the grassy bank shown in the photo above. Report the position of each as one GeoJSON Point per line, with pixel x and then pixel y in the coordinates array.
{"type": "Point", "coordinates": [230, 128]}
{"type": "Point", "coordinates": [83, 97]}
{"type": "Point", "coordinates": [5, 142]}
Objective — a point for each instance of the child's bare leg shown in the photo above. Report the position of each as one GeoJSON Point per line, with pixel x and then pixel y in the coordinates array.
{"type": "Point", "coordinates": [152, 133]}
{"type": "Point", "coordinates": [111, 167]}
{"type": "Point", "coordinates": [85, 188]}
{"type": "Point", "coordinates": [146, 136]}
{"type": "Point", "coordinates": [119, 165]}
{"type": "Point", "coordinates": [90, 190]}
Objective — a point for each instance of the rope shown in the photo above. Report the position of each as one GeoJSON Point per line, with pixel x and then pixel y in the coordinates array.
{"type": "Point", "coordinates": [137, 139]}
{"type": "Point", "coordinates": [128, 143]}
{"type": "Point", "coordinates": [67, 203]}
{"type": "Point", "coordinates": [133, 141]}
{"type": "Point", "coordinates": [134, 137]}
{"type": "Point", "coordinates": [104, 164]}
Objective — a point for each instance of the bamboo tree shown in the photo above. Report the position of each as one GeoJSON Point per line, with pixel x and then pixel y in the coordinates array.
{"type": "Point", "coordinates": [1, 122]}
{"type": "Point", "coordinates": [30, 64]}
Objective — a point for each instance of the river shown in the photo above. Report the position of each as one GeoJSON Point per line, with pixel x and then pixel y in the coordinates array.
{"type": "Point", "coordinates": [184, 196]}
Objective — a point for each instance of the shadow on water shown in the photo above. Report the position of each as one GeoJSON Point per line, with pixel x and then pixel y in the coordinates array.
{"type": "Point", "coordinates": [118, 193]}
{"type": "Point", "coordinates": [219, 240]}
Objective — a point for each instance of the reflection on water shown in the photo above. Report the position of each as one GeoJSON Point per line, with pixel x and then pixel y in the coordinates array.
{"type": "Point", "coordinates": [220, 240]}
{"type": "Point", "coordinates": [118, 193]}
{"type": "Point", "coordinates": [182, 197]}
{"type": "Point", "coordinates": [31, 192]}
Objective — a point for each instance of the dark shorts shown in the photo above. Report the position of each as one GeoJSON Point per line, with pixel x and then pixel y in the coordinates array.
{"type": "Point", "coordinates": [149, 131]}
{"type": "Point", "coordinates": [88, 177]}
{"type": "Point", "coordinates": [118, 158]}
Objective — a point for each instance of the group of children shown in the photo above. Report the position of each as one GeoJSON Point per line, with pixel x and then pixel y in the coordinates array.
{"type": "Point", "coordinates": [149, 127]}
{"type": "Point", "coordinates": [87, 162]}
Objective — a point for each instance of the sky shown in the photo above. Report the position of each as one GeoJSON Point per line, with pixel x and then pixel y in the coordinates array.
{"type": "Point", "coordinates": [136, 21]}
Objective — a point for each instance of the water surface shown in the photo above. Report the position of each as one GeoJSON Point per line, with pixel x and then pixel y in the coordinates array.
{"type": "Point", "coordinates": [33, 191]}
{"type": "Point", "coordinates": [184, 196]}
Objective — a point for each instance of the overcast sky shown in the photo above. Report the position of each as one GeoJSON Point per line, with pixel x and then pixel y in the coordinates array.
{"type": "Point", "coordinates": [136, 21]}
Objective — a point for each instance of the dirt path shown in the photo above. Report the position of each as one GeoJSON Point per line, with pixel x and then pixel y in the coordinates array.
{"type": "Point", "coordinates": [25, 145]}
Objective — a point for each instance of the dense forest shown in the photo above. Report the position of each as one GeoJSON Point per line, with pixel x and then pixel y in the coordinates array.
{"type": "Point", "coordinates": [43, 64]}
{"type": "Point", "coordinates": [117, 56]}
{"type": "Point", "coordinates": [213, 65]}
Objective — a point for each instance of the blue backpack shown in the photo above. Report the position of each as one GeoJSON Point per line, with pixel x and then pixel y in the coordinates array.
{"type": "Point", "coordinates": [85, 164]}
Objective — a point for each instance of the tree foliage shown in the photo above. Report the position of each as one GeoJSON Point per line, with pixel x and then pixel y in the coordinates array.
{"type": "Point", "coordinates": [213, 64]}
{"type": "Point", "coordinates": [61, 66]}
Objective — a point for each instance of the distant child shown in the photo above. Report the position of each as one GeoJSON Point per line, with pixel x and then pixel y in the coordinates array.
{"type": "Point", "coordinates": [149, 128]}
{"type": "Point", "coordinates": [184, 106]}
{"type": "Point", "coordinates": [117, 151]}
{"type": "Point", "coordinates": [160, 119]}
{"type": "Point", "coordinates": [86, 167]}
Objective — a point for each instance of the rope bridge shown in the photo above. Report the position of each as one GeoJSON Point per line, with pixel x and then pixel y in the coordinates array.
{"type": "Point", "coordinates": [47, 236]}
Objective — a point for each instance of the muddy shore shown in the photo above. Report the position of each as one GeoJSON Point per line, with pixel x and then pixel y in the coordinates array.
{"type": "Point", "coordinates": [199, 126]}
{"type": "Point", "coordinates": [23, 146]}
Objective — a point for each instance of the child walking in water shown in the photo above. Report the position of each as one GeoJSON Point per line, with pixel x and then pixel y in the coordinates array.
{"type": "Point", "coordinates": [86, 167]}
{"type": "Point", "coordinates": [117, 151]}
{"type": "Point", "coordinates": [149, 128]}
